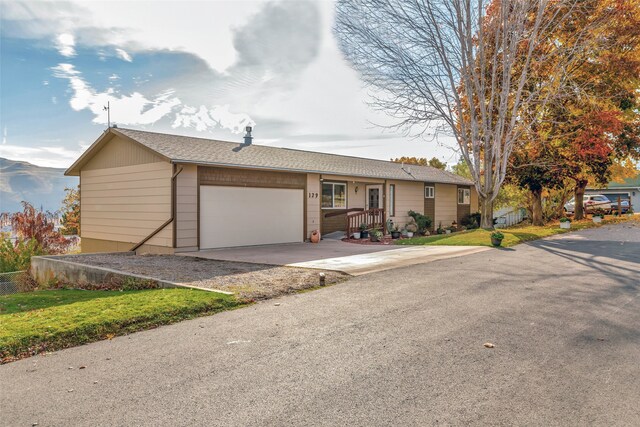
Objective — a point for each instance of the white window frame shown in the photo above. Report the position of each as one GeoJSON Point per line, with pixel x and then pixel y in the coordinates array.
{"type": "Point", "coordinates": [429, 192]}
{"type": "Point", "coordinates": [466, 196]}
{"type": "Point", "coordinates": [333, 195]}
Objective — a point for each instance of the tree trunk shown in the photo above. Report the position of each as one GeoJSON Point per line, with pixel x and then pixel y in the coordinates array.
{"type": "Point", "coordinates": [486, 213]}
{"type": "Point", "coordinates": [581, 185]}
{"type": "Point", "coordinates": [536, 218]}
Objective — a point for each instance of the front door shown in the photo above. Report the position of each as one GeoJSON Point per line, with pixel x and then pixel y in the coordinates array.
{"type": "Point", "coordinates": [373, 197]}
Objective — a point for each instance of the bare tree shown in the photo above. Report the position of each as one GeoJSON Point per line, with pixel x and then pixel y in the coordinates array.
{"type": "Point", "coordinates": [455, 66]}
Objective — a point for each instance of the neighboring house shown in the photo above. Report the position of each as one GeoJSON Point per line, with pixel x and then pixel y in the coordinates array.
{"type": "Point", "coordinates": [627, 190]}
{"type": "Point", "coordinates": [165, 193]}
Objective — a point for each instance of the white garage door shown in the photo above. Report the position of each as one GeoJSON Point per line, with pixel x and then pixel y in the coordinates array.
{"type": "Point", "coordinates": [246, 216]}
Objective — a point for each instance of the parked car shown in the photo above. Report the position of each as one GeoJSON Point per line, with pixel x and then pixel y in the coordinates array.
{"type": "Point", "coordinates": [590, 203]}
{"type": "Point", "coordinates": [624, 206]}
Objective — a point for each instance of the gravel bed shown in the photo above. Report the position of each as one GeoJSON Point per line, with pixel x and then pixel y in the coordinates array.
{"type": "Point", "coordinates": [246, 280]}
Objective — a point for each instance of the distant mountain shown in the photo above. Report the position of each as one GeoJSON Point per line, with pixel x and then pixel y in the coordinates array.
{"type": "Point", "coordinates": [40, 186]}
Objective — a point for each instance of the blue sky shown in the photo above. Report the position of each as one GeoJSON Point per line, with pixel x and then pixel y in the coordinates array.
{"type": "Point", "coordinates": [205, 68]}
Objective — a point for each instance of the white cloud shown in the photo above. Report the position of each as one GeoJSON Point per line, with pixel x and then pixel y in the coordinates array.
{"type": "Point", "coordinates": [54, 100]}
{"type": "Point", "coordinates": [218, 116]}
{"type": "Point", "coordinates": [113, 77]}
{"type": "Point", "coordinates": [65, 43]}
{"type": "Point", "coordinates": [133, 109]}
{"type": "Point", "coordinates": [4, 136]}
{"type": "Point", "coordinates": [122, 54]}
{"type": "Point", "coordinates": [136, 109]}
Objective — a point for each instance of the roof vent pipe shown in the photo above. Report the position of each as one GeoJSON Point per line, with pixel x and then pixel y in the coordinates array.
{"type": "Point", "coordinates": [248, 139]}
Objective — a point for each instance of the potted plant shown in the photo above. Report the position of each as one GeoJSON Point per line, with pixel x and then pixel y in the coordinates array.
{"type": "Point", "coordinates": [364, 233]}
{"type": "Point", "coordinates": [440, 230]}
{"type": "Point", "coordinates": [597, 218]}
{"type": "Point", "coordinates": [395, 233]}
{"type": "Point", "coordinates": [376, 235]}
{"type": "Point", "coordinates": [356, 234]}
{"type": "Point", "coordinates": [565, 222]}
{"type": "Point", "coordinates": [496, 238]}
{"type": "Point", "coordinates": [411, 228]}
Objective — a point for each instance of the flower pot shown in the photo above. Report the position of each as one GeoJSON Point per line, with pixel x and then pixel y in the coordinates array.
{"type": "Point", "coordinates": [596, 219]}
{"type": "Point", "coordinates": [496, 242]}
{"type": "Point", "coordinates": [315, 236]}
{"type": "Point", "coordinates": [566, 225]}
{"type": "Point", "coordinates": [409, 234]}
{"type": "Point", "coordinates": [364, 234]}
{"type": "Point", "coordinates": [373, 238]}
{"type": "Point", "coordinates": [395, 234]}
{"type": "Point", "coordinates": [356, 235]}
{"type": "Point", "coordinates": [447, 231]}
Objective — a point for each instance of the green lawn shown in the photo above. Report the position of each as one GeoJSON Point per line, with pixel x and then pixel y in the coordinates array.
{"type": "Point", "coordinates": [512, 235]}
{"type": "Point", "coordinates": [50, 320]}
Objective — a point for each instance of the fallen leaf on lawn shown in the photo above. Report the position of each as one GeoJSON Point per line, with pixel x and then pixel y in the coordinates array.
{"type": "Point", "coordinates": [110, 336]}
{"type": "Point", "coordinates": [489, 345]}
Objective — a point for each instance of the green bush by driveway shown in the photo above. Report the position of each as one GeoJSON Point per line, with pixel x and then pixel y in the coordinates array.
{"type": "Point", "coordinates": [50, 320]}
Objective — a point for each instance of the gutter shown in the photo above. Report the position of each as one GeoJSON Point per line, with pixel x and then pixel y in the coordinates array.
{"type": "Point", "coordinates": [462, 181]}
{"type": "Point", "coordinates": [168, 221]}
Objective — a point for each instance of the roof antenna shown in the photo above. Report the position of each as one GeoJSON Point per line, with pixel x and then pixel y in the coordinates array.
{"type": "Point", "coordinates": [108, 110]}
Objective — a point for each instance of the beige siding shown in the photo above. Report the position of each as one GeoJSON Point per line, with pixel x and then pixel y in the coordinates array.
{"type": "Point", "coordinates": [97, 245]}
{"type": "Point", "coordinates": [187, 208]}
{"type": "Point", "coordinates": [125, 204]}
{"type": "Point", "coordinates": [120, 152]}
{"type": "Point", "coordinates": [446, 201]}
{"type": "Point", "coordinates": [409, 197]}
{"type": "Point", "coordinates": [357, 199]}
{"type": "Point", "coordinates": [314, 195]}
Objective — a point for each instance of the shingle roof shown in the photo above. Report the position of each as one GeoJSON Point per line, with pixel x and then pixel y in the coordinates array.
{"type": "Point", "coordinates": [185, 149]}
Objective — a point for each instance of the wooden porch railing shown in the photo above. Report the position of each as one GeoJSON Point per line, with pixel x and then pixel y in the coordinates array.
{"type": "Point", "coordinates": [374, 218]}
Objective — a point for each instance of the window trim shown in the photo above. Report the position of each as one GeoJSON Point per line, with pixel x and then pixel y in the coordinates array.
{"type": "Point", "coordinates": [392, 200]}
{"type": "Point", "coordinates": [432, 192]}
{"type": "Point", "coordinates": [466, 196]}
{"type": "Point", "coordinates": [333, 194]}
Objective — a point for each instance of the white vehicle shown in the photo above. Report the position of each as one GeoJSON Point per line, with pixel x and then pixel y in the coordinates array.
{"type": "Point", "coordinates": [591, 202]}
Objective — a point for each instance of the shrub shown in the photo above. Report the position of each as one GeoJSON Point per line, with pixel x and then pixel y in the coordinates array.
{"type": "Point", "coordinates": [423, 222]}
{"type": "Point", "coordinates": [565, 219]}
{"type": "Point", "coordinates": [471, 221]}
{"type": "Point", "coordinates": [26, 283]}
{"type": "Point", "coordinates": [17, 256]}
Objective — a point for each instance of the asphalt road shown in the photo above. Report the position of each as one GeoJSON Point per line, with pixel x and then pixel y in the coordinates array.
{"type": "Point", "coordinates": [399, 347]}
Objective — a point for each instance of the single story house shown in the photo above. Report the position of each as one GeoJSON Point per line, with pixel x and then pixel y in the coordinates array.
{"type": "Point", "coordinates": [629, 190]}
{"type": "Point", "coordinates": [161, 193]}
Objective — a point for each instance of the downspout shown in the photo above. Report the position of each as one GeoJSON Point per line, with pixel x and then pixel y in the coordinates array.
{"type": "Point", "coordinates": [170, 220]}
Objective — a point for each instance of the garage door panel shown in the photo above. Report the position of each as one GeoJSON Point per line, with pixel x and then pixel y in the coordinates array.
{"type": "Point", "coordinates": [246, 216]}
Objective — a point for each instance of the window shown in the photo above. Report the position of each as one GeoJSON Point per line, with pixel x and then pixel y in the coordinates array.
{"type": "Point", "coordinates": [334, 195]}
{"type": "Point", "coordinates": [392, 200]}
{"type": "Point", "coordinates": [429, 192]}
{"type": "Point", "coordinates": [464, 196]}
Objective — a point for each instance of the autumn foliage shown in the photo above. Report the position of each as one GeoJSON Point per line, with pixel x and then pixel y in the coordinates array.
{"type": "Point", "coordinates": [37, 226]}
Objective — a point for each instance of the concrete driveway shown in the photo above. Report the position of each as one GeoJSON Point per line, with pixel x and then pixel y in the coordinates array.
{"type": "Point", "coordinates": [399, 347]}
{"type": "Point", "coordinates": [329, 254]}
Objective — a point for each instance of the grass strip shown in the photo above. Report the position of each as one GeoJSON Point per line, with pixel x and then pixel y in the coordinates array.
{"type": "Point", "coordinates": [40, 321]}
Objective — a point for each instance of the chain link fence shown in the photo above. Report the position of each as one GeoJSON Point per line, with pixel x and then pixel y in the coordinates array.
{"type": "Point", "coordinates": [9, 282]}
